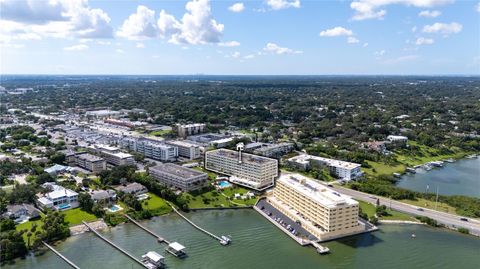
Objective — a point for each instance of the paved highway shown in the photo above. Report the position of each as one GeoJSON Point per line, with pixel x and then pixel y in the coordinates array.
{"type": "Point", "coordinates": [450, 220]}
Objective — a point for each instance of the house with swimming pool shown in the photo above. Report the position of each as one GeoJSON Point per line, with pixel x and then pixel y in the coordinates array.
{"type": "Point", "coordinates": [59, 198]}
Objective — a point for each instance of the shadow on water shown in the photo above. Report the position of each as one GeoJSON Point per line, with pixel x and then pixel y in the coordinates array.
{"type": "Point", "coordinates": [360, 241]}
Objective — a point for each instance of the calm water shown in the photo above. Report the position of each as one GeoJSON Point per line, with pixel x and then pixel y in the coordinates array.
{"type": "Point", "coordinates": [259, 244]}
{"type": "Point", "coordinates": [459, 178]}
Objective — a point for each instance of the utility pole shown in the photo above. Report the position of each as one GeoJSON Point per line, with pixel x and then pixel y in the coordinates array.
{"type": "Point", "coordinates": [436, 200]}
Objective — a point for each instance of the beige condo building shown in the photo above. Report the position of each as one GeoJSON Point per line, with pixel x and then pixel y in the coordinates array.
{"type": "Point", "coordinates": [322, 211]}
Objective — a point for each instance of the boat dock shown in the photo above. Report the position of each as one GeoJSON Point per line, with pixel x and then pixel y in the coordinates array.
{"type": "Point", "coordinates": [115, 246]}
{"type": "Point", "coordinates": [159, 238]}
{"type": "Point", "coordinates": [320, 249]}
{"type": "Point", "coordinates": [61, 256]}
{"type": "Point", "coordinates": [220, 239]}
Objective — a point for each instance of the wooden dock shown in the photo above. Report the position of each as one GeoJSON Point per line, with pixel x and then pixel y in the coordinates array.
{"type": "Point", "coordinates": [159, 238]}
{"type": "Point", "coordinates": [115, 246]}
{"type": "Point", "coordinates": [195, 225]}
{"type": "Point", "coordinates": [61, 256]}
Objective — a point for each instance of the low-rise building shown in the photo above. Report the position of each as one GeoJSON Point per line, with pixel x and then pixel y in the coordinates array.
{"type": "Point", "coordinates": [176, 176]}
{"type": "Point", "coordinates": [186, 149]}
{"type": "Point", "coordinates": [114, 156]}
{"type": "Point", "coordinates": [249, 170]}
{"type": "Point", "coordinates": [103, 196]}
{"type": "Point", "coordinates": [341, 169]}
{"type": "Point", "coordinates": [21, 212]}
{"type": "Point", "coordinates": [132, 188]}
{"type": "Point", "coordinates": [59, 198]}
{"type": "Point", "coordinates": [184, 130]}
{"type": "Point", "coordinates": [274, 150]}
{"type": "Point", "coordinates": [91, 163]}
{"type": "Point", "coordinates": [321, 211]}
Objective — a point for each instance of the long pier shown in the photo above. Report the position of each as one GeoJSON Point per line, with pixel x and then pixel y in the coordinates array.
{"type": "Point", "coordinates": [61, 256]}
{"type": "Point", "coordinates": [159, 238]}
{"type": "Point", "coordinates": [195, 225]}
{"type": "Point", "coordinates": [115, 246]}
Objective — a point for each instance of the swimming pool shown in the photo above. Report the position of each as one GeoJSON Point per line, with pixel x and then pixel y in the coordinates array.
{"type": "Point", "coordinates": [224, 184]}
{"type": "Point", "coordinates": [115, 208]}
{"type": "Point", "coordinates": [62, 207]}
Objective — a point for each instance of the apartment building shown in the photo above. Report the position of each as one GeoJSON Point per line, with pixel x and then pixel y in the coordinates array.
{"type": "Point", "coordinates": [114, 156]}
{"type": "Point", "coordinates": [184, 130]}
{"type": "Point", "coordinates": [186, 149]}
{"type": "Point", "coordinates": [91, 163]}
{"type": "Point", "coordinates": [244, 169]}
{"type": "Point", "coordinates": [156, 150]}
{"type": "Point", "coordinates": [274, 150]}
{"type": "Point", "coordinates": [322, 211]}
{"type": "Point", "coordinates": [172, 175]}
{"type": "Point", "coordinates": [341, 169]}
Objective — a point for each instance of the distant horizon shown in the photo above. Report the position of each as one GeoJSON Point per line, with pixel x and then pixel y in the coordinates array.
{"type": "Point", "coordinates": [259, 75]}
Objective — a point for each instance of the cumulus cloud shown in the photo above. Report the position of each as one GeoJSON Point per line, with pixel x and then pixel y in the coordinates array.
{"type": "Point", "coordinates": [57, 19]}
{"type": "Point", "coordinates": [140, 25]}
{"type": "Point", "coordinates": [336, 31]}
{"type": "Point", "coordinates": [352, 40]}
{"type": "Point", "coordinates": [237, 7]}
{"type": "Point", "coordinates": [424, 41]}
{"type": "Point", "coordinates": [429, 13]}
{"type": "Point", "coordinates": [76, 47]}
{"type": "Point", "coordinates": [276, 49]}
{"type": "Point", "coordinates": [477, 7]}
{"type": "Point", "coordinates": [373, 9]}
{"type": "Point", "coordinates": [229, 44]}
{"type": "Point", "coordinates": [283, 4]}
{"type": "Point", "coordinates": [197, 26]}
{"type": "Point", "coordinates": [443, 28]}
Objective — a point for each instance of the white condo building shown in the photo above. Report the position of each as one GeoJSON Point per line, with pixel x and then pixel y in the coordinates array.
{"type": "Point", "coordinates": [150, 148]}
{"type": "Point", "coordinates": [341, 169]}
{"type": "Point", "coordinates": [244, 169]}
{"type": "Point", "coordinates": [186, 149]}
{"type": "Point", "coordinates": [91, 162]}
{"type": "Point", "coordinates": [322, 211]}
{"type": "Point", "coordinates": [114, 156]}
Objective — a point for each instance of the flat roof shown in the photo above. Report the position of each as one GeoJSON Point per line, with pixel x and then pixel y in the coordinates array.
{"type": "Point", "coordinates": [246, 157]}
{"type": "Point", "coordinates": [316, 191]}
{"type": "Point", "coordinates": [90, 157]}
{"type": "Point", "coordinates": [181, 143]}
{"type": "Point", "coordinates": [176, 246]}
{"type": "Point", "coordinates": [177, 170]}
{"type": "Point", "coordinates": [305, 158]}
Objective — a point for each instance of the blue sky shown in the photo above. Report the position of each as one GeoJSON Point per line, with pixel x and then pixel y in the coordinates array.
{"type": "Point", "coordinates": [282, 37]}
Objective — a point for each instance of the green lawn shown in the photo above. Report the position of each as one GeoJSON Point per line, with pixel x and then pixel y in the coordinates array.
{"type": "Point", "coordinates": [420, 202]}
{"type": "Point", "coordinates": [379, 168]}
{"type": "Point", "coordinates": [218, 198]}
{"type": "Point", "coordinates": [157, 205]}
{"type": "Point", "coordinates": [160, 133]}
{"type": "Point", "coordinates": [369, 209]}
{"type": "Point", "coordinates": [27, 226]}
{"type": "Point", "coordinates": [76, 215]}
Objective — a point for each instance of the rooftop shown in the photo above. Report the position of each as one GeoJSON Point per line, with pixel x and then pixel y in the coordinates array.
{"type": "Point", "coordinates": [316, 191]}
{"type": "Point", "coordinates": [246, 157]}
{"type": "Point", "coordinates": [90, 157]}
{"type": "Point", "coordinates": [305, 158]}
{"type": "Point", "coordinates": [176, 170]}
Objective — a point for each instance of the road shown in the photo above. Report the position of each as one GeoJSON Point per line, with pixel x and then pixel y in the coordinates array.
{"type": "Point", "coordinates": [450, 220]}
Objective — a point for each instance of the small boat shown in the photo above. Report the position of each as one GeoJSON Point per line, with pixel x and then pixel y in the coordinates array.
{"type": "Point", "coordinates": [225, 240]}
{"type": "Point", "coordinates": [414, 235]}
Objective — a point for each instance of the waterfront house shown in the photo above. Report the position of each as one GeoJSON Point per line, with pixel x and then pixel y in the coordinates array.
{"type": "Point", "coordinates": [21, 212]}
{"type": "Point", "coordinates": [59, 198]}
{"type": "Point", "coordinates": [132, 188]}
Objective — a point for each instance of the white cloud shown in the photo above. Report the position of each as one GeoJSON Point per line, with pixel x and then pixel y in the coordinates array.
{"type": "Point", "coordinates": [276, 49]}
{"type": "Point", "coordinates": [379, 53]}
{"type": "Point", "coordinates": [424, 41]}
{"type": "Point", "coordinates": [429, 13]}
{"type": "Point", "coordinates": [352, 40]}
{"type": "Point", "coordinates": [283, 4]}
{"type": "Point", "coordinates": [197, 26]}
{"type": "Point", "coordinates": [365, 45]}
{"type": "Point", "coordinates": [249, 56]}
{"type": "Point", "coordinates": [140, 25]}
{"type": "Point", "coordinates": [372, 9]}
{"type": "Point", "coordinates": [54, 18]}
{"type": "Point", "coordinates": [229, 44]}
{"type": "Point", "coordinates": [336, 31]}
{"type": "Point", "coordinates": [119, 51]}
{"type": "Point", "coordinates": [237, 7]}
{"type": "Point", "coordinates": [477, 7]}
{"type": "Point", "coordinates": [104, 43]}
{"type": "Point", "coordinates": [76, 47]}
{"type": "Point", "coordinates": [76, 20]}
{"type": "Point", "coordinates": [414, 29]}
{"type": "Point", "coordinates": [443, 28]}
{"type": "Point", "coordinates": [140, 45]}
{"type": "Point", "coordinates": [236, 54]}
